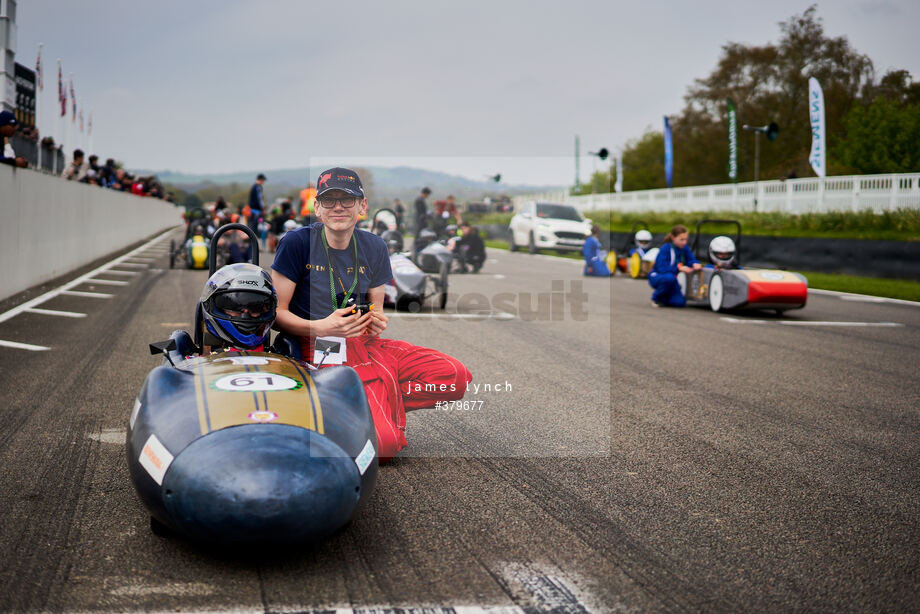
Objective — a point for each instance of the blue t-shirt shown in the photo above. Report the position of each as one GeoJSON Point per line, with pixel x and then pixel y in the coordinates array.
{"type": "Point", "coordinates": [302, 259]}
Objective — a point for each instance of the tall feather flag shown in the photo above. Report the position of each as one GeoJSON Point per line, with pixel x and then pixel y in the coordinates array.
{"type": "Point", "coordinates": [818, 156]}
{"type": "Point", "coordinates": [73, 100]}
{"type": "Point", "coordinates": [62, 93]}
{"type": "Point", "coordinates": [89, 127]}
{"type": "Point", "coordinates": [81, 120]}
{"type": "Point", "coordinates": [668, 154]}
{"type": "Point", "coordinates": [38, 70]}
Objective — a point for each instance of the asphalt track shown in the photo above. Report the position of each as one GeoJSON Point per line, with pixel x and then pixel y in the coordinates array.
{"type": "Point", "coordinates": [626, 459]}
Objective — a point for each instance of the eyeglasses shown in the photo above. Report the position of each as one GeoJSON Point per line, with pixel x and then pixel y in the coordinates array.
{"type": "Point", "coordinates": [328, 202]}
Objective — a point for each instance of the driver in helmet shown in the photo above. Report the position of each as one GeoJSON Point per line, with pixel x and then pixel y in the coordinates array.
{"type": "Point", "coordinates": [722, 253]}
{"type": "Point", "coordinates": [643, 241]}
{"type": "Point", "coordinates": [236, 309]}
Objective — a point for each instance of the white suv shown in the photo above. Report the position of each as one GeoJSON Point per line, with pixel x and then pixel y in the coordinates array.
{"type": "Point", "coordinates": [548, 226]}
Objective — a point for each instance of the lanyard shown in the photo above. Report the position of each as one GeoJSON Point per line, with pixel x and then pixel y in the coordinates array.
{"type": "Point", "coordinates": [331, 281]}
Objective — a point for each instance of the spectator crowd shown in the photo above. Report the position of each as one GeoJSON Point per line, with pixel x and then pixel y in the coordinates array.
{"type": "Point", "coordinates": [85, 170]}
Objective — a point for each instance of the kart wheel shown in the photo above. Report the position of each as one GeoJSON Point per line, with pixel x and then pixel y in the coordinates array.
{"type": "Point", "coordinates": [512, 246]}
{"type": "Point", "coordinates": [532, 245]}
{"type": "Point", "coordinates": [635, 265]}
{"type": "Point", "coordinates": [159, 529]}
{"type": "Point", "coordinates": [442, 298]}
{"type": "Point", "coordinates": [172, 253]}
{"type": "Point", "coordinates": [716, 292]}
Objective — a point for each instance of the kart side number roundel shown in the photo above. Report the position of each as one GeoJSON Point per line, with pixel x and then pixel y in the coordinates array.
{"type": "Point", "coordinates": [255, 382]}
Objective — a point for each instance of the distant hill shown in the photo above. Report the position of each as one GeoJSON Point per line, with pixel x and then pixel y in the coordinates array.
{"type": "Point", "coordinates": [385, 183]}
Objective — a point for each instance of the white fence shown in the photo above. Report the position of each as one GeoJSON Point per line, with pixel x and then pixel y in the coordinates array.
{"type": "Point", "coordinates": [49, 226]}
{"type": "Point", "coordinates": [810, 195]}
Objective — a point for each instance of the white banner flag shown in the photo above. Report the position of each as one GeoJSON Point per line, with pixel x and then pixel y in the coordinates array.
{"type": "Point", "coordinates": [618, 186]}
{"type": "Point", "coordinates": [818, 156]}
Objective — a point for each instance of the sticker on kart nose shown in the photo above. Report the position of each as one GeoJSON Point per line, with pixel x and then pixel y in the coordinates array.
{"type": "Point", "coordinates": [248, 360]}
{"type": "Point", "coordinates": [771, 275]}
{"type": "Point", "coordinates": [255, 382]}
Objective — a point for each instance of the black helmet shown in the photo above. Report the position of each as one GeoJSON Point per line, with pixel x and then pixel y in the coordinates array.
{"type": "Point", "coordinates": [393, 239]}
{"type": "Point", "coordinates": [238, 305]}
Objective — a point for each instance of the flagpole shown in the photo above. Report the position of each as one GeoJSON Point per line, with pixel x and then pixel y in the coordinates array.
{"type": "Point", "coordinates": [73, 120]}
{"type": "Point", "coordinates": [57, 121]}
{"type": "Point", "coordinates": [38, 106]}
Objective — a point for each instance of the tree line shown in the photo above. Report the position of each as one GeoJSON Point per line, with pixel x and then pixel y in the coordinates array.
{"type": "Point", "coordinates": [872, 123]}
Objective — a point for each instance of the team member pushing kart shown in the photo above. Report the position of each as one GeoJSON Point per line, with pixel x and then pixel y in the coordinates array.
{"type": "Point", "coordinates": [330, 279]}
{"type": "Point", "coordinates": [674, 257]}
{"type": "Point", "coordinates": [595, 260]}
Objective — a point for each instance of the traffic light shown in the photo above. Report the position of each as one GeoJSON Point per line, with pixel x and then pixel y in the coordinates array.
{"type": "Point", "coordinates": [772, 131]}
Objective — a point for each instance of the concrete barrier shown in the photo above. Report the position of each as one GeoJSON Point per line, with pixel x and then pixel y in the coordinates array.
{"type": "Point", "coordinates": [49, 227]}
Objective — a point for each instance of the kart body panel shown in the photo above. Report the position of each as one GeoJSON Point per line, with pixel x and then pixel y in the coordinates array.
{"type": "Point", "coordinates": [747, 288]}
{"type": "Point", "coordinates": [252, 447]}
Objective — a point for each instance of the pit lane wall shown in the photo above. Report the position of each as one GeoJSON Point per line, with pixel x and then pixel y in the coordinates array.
{"type": "Point", "coordinates": [49, 226]}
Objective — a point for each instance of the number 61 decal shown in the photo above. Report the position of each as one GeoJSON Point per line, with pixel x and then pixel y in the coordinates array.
{"type": "Point", "coordinates": [255, 382]}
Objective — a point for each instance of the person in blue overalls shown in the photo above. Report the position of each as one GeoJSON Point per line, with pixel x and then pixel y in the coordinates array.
{"type": "Point", "coordinates": [673, 257]}
{"type": "Point", "coordinates": [595, 265]}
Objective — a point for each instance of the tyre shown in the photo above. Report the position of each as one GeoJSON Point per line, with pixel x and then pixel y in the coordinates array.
{"type": "Point", "coordinates": [634, 265]}
{"type": "Point", "coordinates": [512, 246]}
{"type": "Point", "coordinates": [442, 298]}
{"type": "Point", "coordinates": [532, 244]}
{"type": "Point", "coordinates": [172, 253]}
{"type": "Point", "coordinates": [159, 529]}
{"type": "Point", "coordinates": [716, 292]}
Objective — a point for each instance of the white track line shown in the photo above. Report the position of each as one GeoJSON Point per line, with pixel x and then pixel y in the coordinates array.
{"type": "Point", "coordinates": [864, 298]}
{"type": "Point", "coordinates": [139, 260]}
{"type": "Point", "coordinates": [23, 346]}
{"type": "Point", "coordinates": [86, 294]}
{"type": "Point", "coordinates": [134, 265]}
{"type": "Point", "coordinates": [106, 282]}
{"type": "Point", "coordinates": [38, 300]}
{"type": "Point", "coordinates": [56, 312]}
{"type": "Point", "coordinates": [115, 272]}
{"type": "Point", "coordinates": [811, 323]}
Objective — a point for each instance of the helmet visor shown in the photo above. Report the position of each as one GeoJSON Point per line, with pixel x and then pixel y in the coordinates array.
{"type": "Point", "coordinates": [241, 303]}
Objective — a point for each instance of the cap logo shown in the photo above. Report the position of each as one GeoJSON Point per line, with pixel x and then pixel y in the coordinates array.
{"type": "Point", "coordinates": [324, 178]}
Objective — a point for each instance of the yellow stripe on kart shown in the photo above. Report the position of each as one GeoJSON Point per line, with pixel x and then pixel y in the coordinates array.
{"type": "Point", "coordinates": [223, 405]}
{"type": "Point", "coordinates": [202, 412]}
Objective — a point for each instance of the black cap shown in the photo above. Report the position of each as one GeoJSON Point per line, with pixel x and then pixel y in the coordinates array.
{"type": "Point", "coordinates": [7, 119]}
{"type": "Point", "coordinates": [260, 176]}
{"type": "Point", "coordinates": [343, 179]}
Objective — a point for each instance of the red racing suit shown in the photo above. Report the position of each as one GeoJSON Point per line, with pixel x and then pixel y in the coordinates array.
{"type": "Point", "coordinates": [399, 377]}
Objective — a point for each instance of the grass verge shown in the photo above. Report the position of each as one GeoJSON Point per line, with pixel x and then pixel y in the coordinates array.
{"type": "Point", "coordinates": [549, 252]}
{"type": "Point", "coordinates": [903, 289]}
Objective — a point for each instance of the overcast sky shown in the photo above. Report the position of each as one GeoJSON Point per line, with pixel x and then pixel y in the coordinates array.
{"type": "Point", "coordinates": [469, 87]}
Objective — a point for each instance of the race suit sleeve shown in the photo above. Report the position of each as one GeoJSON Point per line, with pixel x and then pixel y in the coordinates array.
{"type": "Point", "coordinates": [689, 258]}
{"type": "Point", "coordinates": [292, 255]}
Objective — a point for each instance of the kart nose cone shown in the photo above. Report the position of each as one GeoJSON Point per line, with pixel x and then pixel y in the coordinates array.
{"type": "Point", "coordinates": [261, 483]}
